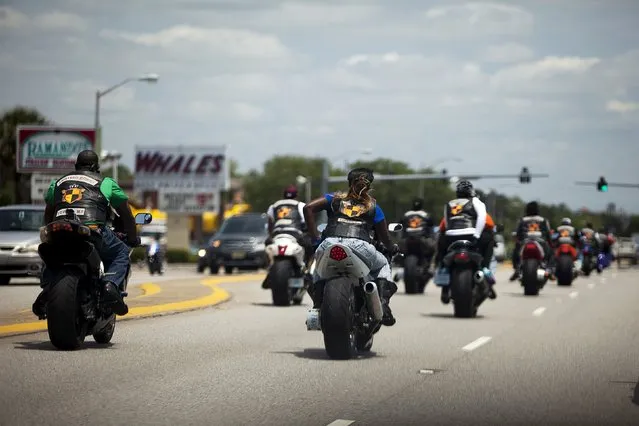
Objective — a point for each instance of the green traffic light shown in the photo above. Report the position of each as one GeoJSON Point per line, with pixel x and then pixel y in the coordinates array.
{"type": "Point", "coordinates": [604, 188]}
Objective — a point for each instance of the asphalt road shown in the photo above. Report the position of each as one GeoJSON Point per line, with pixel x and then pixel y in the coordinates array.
{"type": "Point", "coordinates": [569, 356]}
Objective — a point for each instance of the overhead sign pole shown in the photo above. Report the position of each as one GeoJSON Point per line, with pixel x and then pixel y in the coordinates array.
{"type": "Point", "coordinates": [421, 176]}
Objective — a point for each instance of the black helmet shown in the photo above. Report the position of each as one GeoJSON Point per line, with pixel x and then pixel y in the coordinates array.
{"type": "Point", "coordinates": [418, 204]}
{"type": "Point", "coordinates": [88, 160]}
{"type": "Point", "coordinates": [532, 208]}
{"type": "Point", "coordinates": [290, 192]}
{"type": "Point", "coordinates": [465, 189]}
{"type": "Point", "coordinates": [361, 174]}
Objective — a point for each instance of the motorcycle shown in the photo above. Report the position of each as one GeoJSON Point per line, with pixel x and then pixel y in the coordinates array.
{"type": "Point", "coordinates": [416, 272]}
{"type": "Point", "coordinates": [286, 274]}
{"type": "Point", "coordinates": [589, 261]}
{"type": "Point", "coordinates": [565, 272]}
{"type": "Point", "coordinates": [74, 307]}
{"type": "Point", "coordinates": [154, 259]}
{"type": "Point", "coordinates": [351, 308]}
{"type": "Point", "coordinates": [466, 278]}
{"type": "Point", "coordinates": [532, 267]}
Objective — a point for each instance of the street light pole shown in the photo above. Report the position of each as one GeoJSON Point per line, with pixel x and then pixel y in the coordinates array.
{"type": "Point", "coordinates": [148, 78]}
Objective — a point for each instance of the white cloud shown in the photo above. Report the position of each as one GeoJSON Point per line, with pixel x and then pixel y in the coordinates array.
{"type": "Point", "coordinates": [478, 19]}
{"type": "Point", "coordinates": [507, 52]}
{"type": "Point", "coordinates": [12, 18]}
{"type": "Point", "coordinates": [316, 14]}
{"type": "Point", "coordinates": [226, 41]}
{"type": "Point", "coordinates": [622, 107]}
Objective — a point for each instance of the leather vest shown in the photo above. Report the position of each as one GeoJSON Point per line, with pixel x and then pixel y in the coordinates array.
{"type": "Point", "coordinates": [80, 191]}
{"type": "Point", "coordinates": [460, 214]}
{"type": "Point", "coordinates": [567, 234]}
{"type": "Point", "coordinates": [349, 219]}
{"type": "Point", "coordinates": [533, 227]}
{"type": "Point", "coordinates": [287, 217]}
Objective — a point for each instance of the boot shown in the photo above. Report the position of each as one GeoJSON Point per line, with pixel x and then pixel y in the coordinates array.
{"type": "Point", "coordinates": [39, 307]}
{"type": "Point", "coordinates": [515, 275]}
{"type": "Point", "coordinates": [111, 297]}
{"type": "Point", "coordinates": [265, 283]}
{"type": "Point", "coordinates": [386, 290]}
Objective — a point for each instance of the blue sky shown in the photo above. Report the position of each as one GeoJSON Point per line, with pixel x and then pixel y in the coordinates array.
{"type": "Point", "coordinates": [548, 84]}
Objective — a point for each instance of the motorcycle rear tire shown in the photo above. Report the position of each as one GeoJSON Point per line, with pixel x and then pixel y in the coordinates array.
{"type": "Point", "coordinates": [412, 275]}
{"type": "Point", "coordinates": [65, 323]}
{"type": "Point", "coordinates": [461, 288]}
{"type": "Point", "coordinates": [564, 271]}
{"type": "Point", "coordinates": [279, 274]}
{"type": "Point", "coordinates": [529, 277]}
{"type": "Point", "coordinates": [337, 319]}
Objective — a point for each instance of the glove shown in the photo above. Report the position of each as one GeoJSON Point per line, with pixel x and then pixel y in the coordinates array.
{"type": "Point", "coordinates": [394, 249]}
{"type": "Point", "coordinates": [133, 242]}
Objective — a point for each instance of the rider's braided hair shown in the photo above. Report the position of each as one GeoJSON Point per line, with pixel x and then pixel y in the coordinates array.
{"type": "Point", "coordinates": [359, 187]}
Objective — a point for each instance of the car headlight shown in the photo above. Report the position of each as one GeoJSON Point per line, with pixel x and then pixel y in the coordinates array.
{"type": "Point", "coordinates": [30, 247]}
{"type": "Point", "coordinates": [201, 253]}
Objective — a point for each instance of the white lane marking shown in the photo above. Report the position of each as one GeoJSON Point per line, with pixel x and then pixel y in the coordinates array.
{"type": "Point", "coordinates": [573, 294]}
{"type": "Point", "coordinates": [341, 422]}
{"type": "Point", "coordinates": [539, 311]}
{"type": "Point", "coordinates": [591, 285]}
{"type": "Point", "coordinates": [477, 343]}
{"type": "Point", "coordinates": [602, 280]}
{"type": "Point", "coordinates": [426, 371]}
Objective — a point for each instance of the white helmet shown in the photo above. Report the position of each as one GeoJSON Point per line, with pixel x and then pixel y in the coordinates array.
{"type": "Point", "coordinates": [566, 221]}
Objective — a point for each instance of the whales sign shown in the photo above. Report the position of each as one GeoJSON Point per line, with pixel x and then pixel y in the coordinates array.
{"type": "Point", "coordinates": [51, 149]}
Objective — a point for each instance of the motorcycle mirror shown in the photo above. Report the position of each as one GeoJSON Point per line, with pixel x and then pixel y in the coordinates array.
{"type": "Point", "coordinates": [394, 227]}
{"type": "Point", "coordinates": [321, 227]}
{"type": "Point", "coordinates": [143, 218]}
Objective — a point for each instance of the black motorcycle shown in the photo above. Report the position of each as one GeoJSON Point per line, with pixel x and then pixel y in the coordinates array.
{"type": "Point", "coordinates": [74, 302]}
{"type": "Point", "coordinates": [468, 288]}
{"type": "Point", "coordinates": [416, 262]}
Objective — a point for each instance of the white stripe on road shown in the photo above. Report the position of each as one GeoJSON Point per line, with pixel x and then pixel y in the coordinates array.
{"type": "Point", "coordinates": [573, 294]}
{"type": "Point", "coordinates": [477, 343]}
{"type": "Point", "coordinates": [591, 285]}
{"type": "Point", "coordinates": [340, 422]}
{"type": "Point", "coordinates": [539, 311]}
{"type": "Point", "coordinates": [602, 280]}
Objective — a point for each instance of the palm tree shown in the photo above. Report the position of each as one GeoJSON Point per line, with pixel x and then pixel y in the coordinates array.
{"type": "Point", "coordinates": [15, 187]}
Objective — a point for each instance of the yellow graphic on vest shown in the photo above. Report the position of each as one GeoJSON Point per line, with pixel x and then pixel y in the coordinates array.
{"type": "Point", "coordinates": [565, 233]}
{"type": "Point", "coordinates": [351, 210]}
{"type": "Point", "coordinates": [456, 208]}
{"type": "Point", "coordinates": [415, 222]}
{"type": "Point", "coordinates": [72, 195]}
{"type": "Point", "coordinates": [283, 212]}
{"type": "Point", "coordinates": [533, 227]}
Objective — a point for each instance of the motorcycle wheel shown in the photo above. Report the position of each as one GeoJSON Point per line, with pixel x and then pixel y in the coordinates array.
{"type": "Point", "coordinates": [65, 324]}
{"type": "Point", "coordinates": [337, 319]}
{"type": "Point", "coordinates": [529, 277]}
{"type": "Point", "coordinates": [105, 335]}
{"type": "Point", "coordinates": [412, 275]}
{"type": "Point", "coordinates": [586, 266]}
{"type": "Point", "coordinates": [279, 274]}
{"type": "Point", "coordinates": [461, 288]}
{"type": "Point", "coordinates": [564, 270]}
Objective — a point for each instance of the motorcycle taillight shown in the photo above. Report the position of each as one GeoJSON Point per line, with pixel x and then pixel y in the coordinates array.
{"type": "Point", "coordinates": [338, 253]}
{"type": "Point", "coordinates": [462, 257]}
{"type": "Point", "coordinates": [281, 250]}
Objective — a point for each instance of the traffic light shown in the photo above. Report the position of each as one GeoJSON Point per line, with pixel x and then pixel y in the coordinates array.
{"type": "Point", "coordinates": [524, 176]}
{"type": "Point", "coordinates": [602, 185]}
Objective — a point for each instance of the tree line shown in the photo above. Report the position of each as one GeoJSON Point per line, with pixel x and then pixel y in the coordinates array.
{"type": "Point", "coordinates": [263, 187]}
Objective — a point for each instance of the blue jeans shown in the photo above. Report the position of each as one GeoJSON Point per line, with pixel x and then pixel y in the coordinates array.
{"type": "Point", "coordinates": [115, 256]}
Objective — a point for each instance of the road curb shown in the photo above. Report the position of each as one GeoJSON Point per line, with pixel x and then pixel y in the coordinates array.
{"type": "Point", "coordinates": [215, 298]}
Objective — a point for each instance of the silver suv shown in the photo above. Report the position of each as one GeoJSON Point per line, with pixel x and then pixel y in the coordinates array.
{"type": "Point", "coordinates": [19, 239]}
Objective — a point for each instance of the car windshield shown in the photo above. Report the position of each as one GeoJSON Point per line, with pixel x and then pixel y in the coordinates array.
{"type": "Point", "coordinates": [244, 225]}
{"type": "Point", "coordinates": [21, 220]}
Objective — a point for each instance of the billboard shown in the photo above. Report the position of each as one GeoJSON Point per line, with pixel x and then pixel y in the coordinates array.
{"type": "Point", "coordinates": [188, 201]}
{"type": "Point", "coordinates": [183, 168]}
{"type": "Point", "coordinates": [51, 149]}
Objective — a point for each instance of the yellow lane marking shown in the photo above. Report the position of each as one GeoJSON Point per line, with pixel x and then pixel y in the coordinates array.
{"type": "Point", "coordinates": [216, 296]}
{"type": "Point", "coordinates": [149, 289]}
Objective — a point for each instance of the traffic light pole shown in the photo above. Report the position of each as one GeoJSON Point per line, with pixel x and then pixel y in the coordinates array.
{"type": "Point", "coordinates": [422, 176]}
{"type": "Point", "coordinates": [609, 184]}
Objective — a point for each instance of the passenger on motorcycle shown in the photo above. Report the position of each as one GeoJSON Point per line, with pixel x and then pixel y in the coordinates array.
{"type": "Point", "coordinates": [588, 235]}
{"type": "Point", "coordinates": [352, 217]}
{"type": "Point", "coordinates": [286, 216]}
{"type": "Point", "coordinates": [92, 196]}
{"type": "Point", "coordinates": [536, 227]}
{"type": "Point", "coordinates": [465, 218]}
{"type": "Point", "coordinates": [567, 234]}
{"type": "Point", "coordinates": [605, 241]}
{"type": "Point", "coordinates": [418, 223]}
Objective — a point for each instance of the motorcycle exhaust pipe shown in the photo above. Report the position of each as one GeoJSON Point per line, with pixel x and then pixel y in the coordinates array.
{"type": "Point", "coordinates": [541, 274]}
{"type": "Point", "coordinates": [479, 277]}
{"type": "Point", "coordinates": [373, 302]}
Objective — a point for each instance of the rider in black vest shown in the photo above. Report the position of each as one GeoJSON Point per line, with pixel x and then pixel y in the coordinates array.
{"type": "Point", "coordinates": [92, 196]}
{"type": "Point", "coordinates": [417, 223]}
{"type": "Point", "coordinates": [533, 226]}
{"type": "Point", "coordinates": [352, 219]}
{"type": "Point", "coordinates": [286, 216]}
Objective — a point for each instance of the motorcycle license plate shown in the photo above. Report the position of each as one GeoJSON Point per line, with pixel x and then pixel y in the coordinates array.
{"type": "Point", "coordinates": [296, 282]}
{"type": "Point", "coordinates": [238, 255]}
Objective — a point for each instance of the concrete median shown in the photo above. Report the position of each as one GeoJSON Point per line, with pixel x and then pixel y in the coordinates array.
{"type": "Point", "coordinates": [147, 300]}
